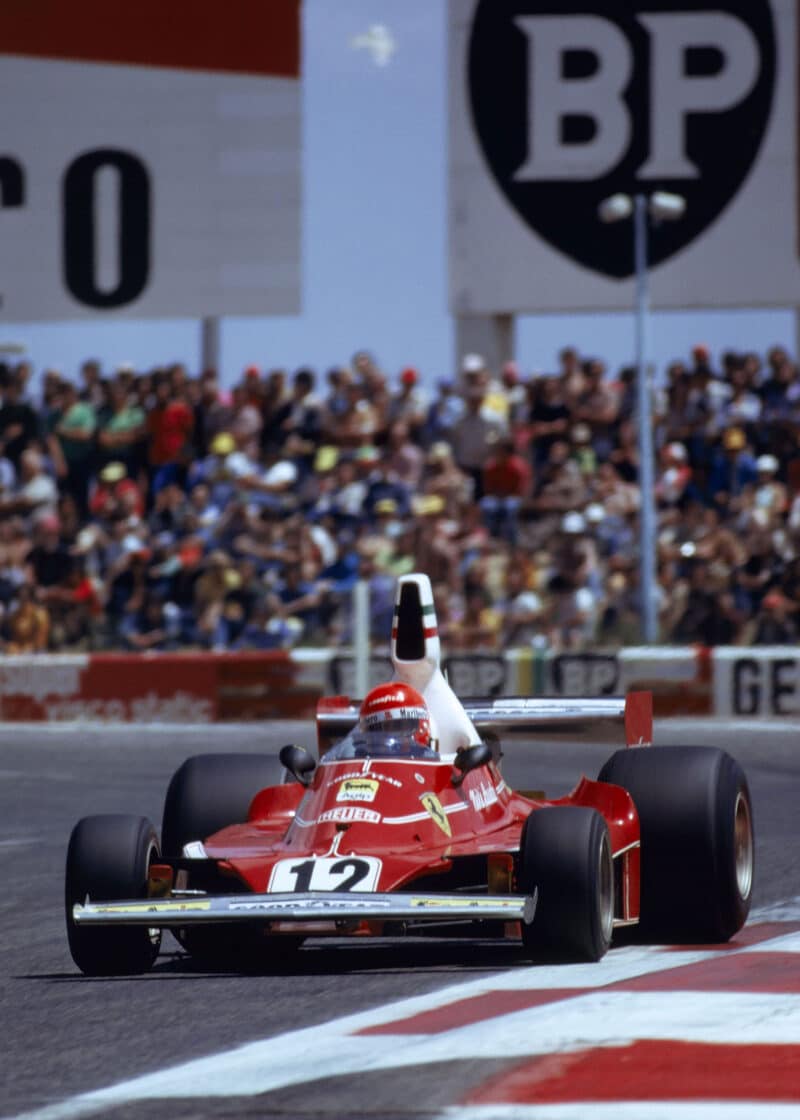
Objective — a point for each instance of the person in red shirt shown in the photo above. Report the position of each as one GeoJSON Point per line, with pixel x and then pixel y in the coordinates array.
{"type": "Point", "coordinates": [507, 482]}
{"type": "Point", "coordinates": [169, 427]}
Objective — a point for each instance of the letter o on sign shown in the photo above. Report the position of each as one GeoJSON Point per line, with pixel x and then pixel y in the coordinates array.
{"type": "Point", "coordinates": [81, 247]}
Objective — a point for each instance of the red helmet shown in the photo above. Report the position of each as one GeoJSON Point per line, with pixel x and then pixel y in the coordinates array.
{"type": "Point", "coordinates": [396, 707]}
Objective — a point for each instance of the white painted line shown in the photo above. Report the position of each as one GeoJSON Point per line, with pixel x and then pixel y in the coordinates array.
{"type": "Point", "coordinates": [598, 1017]}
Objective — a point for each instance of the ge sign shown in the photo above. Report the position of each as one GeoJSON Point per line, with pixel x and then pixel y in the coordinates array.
{"type": "Point", "coordinates": [619, 96]}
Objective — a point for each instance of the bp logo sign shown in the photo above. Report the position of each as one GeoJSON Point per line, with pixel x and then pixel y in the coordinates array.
{"type": "Point", "coordinates": [620, 96]}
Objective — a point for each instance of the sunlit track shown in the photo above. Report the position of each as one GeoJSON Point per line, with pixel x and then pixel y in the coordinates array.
{"type": "Point", "coordinates": [579, 1012]}
{"type": "Point", "coordinates": [399, 1031]}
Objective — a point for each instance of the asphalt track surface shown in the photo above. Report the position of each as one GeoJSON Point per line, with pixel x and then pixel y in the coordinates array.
{"type": "Point", "coordinates": [64, 1035]}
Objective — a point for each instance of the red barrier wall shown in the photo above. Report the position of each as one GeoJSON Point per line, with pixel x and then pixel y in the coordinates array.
{"type": "Point", "coordinates": [171, 688]}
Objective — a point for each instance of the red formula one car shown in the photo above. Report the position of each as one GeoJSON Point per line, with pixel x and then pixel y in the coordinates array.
{"type": "Point", "coordinates": [406, 825]}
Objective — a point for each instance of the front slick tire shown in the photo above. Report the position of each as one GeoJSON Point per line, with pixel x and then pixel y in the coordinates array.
{"type": "Point", "coordinates": [210, 791]}
{"type": "Point", "coordinates": [565, 853]}
{"type": "Point", "coordinates": [108, 858]}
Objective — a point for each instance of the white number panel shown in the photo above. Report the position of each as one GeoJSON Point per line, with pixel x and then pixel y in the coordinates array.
{"type": "Point", "coordinates": [329, 873]}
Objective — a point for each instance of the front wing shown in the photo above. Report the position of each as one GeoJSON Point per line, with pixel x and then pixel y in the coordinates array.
{"type": "Point", "coordinates": [311, 906]}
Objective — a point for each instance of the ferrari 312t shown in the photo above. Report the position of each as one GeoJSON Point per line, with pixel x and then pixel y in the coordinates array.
{"type": "Point", "coordinates": [405, 825]}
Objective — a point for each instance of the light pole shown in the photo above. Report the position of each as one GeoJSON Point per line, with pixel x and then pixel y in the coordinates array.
{"type": "Point", "coordinates": [660, 206]}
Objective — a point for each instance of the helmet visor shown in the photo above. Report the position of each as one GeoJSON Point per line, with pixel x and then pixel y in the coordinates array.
{"type": "Point", "coordinates": [381, 744]}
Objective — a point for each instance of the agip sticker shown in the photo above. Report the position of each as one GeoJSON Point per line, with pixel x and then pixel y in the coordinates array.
{"type": "Point", "coordinates": [357, 789]}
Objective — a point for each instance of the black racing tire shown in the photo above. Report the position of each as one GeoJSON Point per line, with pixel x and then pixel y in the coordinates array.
{"type": "Point", "coordinates": [697, 843]}
{"type": "Point", "coordinates": [565, 854]}
{"type": "Point", "coordinates": [108, 858]}
{"type": "Point", "coordinates": [209, 792]}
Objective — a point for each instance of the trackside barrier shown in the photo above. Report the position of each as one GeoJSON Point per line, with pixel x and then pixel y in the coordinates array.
{"type": "Point", "coordinates": [210, 687]}
{"type": "Point", "coordinates": [761, 682]}
{"type": "Point", "coordinates": [180, 688]}
{"type": "Point", "coordinates": [679, 677]}
{"type": "Point", "coordinates": [163, 688]}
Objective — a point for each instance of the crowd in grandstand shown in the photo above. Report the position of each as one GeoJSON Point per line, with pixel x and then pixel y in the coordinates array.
{"type": "Point", "coordinates": [159, 510]}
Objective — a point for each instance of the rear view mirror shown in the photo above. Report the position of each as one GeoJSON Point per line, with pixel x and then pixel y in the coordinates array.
{"type": "Point", "coordinates": [298, 762]}
{"type": "Point", "coordinates": [470, 758]}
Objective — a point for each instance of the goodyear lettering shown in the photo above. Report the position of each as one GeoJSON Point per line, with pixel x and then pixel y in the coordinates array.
{"type": "Point", "coordinates": [311, 904]}
{"type": "Point", "coordinates": [360, 774]}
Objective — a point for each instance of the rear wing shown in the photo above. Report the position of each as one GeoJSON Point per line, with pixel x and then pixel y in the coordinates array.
{"type": "Point", "coordinates": [626, 720]}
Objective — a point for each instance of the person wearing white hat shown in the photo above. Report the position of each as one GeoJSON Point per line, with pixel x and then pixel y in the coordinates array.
{"type": "Point", "coordinates": [771, 496]}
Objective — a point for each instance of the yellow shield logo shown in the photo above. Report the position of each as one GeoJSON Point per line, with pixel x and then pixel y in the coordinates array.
{"type": "Point", "coordinates": [437, 813]}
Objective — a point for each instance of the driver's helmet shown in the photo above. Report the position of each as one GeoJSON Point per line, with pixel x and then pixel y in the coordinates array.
{"type": "Point", "coordinates": [396, 707]}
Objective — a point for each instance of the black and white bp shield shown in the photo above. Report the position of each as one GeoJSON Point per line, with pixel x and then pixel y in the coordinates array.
{"type": "Point", "coordinates": [572, 106]}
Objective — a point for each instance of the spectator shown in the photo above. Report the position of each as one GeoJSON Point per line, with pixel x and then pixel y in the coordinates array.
{"type": "Point", "coordinates": [597, 405]}
{"type": "Point", "coordinates": [548, 417]}
{"type": "Point", "coordinates": [675, 474]}
{"type": "Point", "coordinates": [522, 611]}
{"type": "Point", "coordinates": [148, 628]}
{"type": "Point", "coordinates": [247, 422]}
{"type": "Point", "coordinates": [19, 424]}
{"type": "Point", "coordinates": [91, 378]}
{"type": "Point", "coordinates": [410, 403]}
{"type": "Point", "coordinates": [35, 494]}
{"type": "Point", "coordinates": [361, 422]}
{"type": "Point", "coordinates": [443, 478]}
{"type": "Point", "coordinates": [479, 625]}
{"type": "Point", "coordinates": [73, 445]}
{"type": "Point", "coordinates": [733, 468]}
{"type": "Point", "coordinates": [122, 431]}
{"type": "Point", "coordinates": [116, 494]}
{"type": "Point", "coordinates": [169, 427]}
{"type": "Point", "coordinates": [444, 412]}
{"type": "Point", "coordinates": [301, 426]}
{"type": "Point", "coordinates": [776, 622]}
{"type": "Point", "coordinates": [743, 406]}
{"type": "Point", "coordinates": [113, 562]}
{"type": "Point", "coordinates": [559, 489]}
{"type": "Point", "coordinates": [474, 436]}
{"type": "Point", "coordinates": [27, 624]}
{"type": "Point", "coordinates": [506, 484]}
{"type": "Point", "coordinates": [212, 414]}
{"type": "Point", "coordinates": [405, 459]}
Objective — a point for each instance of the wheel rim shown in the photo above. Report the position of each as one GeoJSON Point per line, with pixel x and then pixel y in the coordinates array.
{"type": "Point", "coordinates": [153, 932]}
{"type": "Point", "coordinates": [605, 893]}
{"type": "Point", "coordinates": [743, 846]}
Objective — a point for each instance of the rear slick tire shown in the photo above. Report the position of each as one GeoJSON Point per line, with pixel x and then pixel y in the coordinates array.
{"type": "Point", "coordinates": [108, 858]}
{"type": "Point", "coordinates": [697, 844]}
{"type": "Point", "coordinates": [565, 855]}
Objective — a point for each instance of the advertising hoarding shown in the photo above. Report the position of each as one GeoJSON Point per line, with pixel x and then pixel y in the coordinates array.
{"type": "Point", "coordinates": [149, 162]}
{"type": "Point", "coordinates": [556, 107]}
